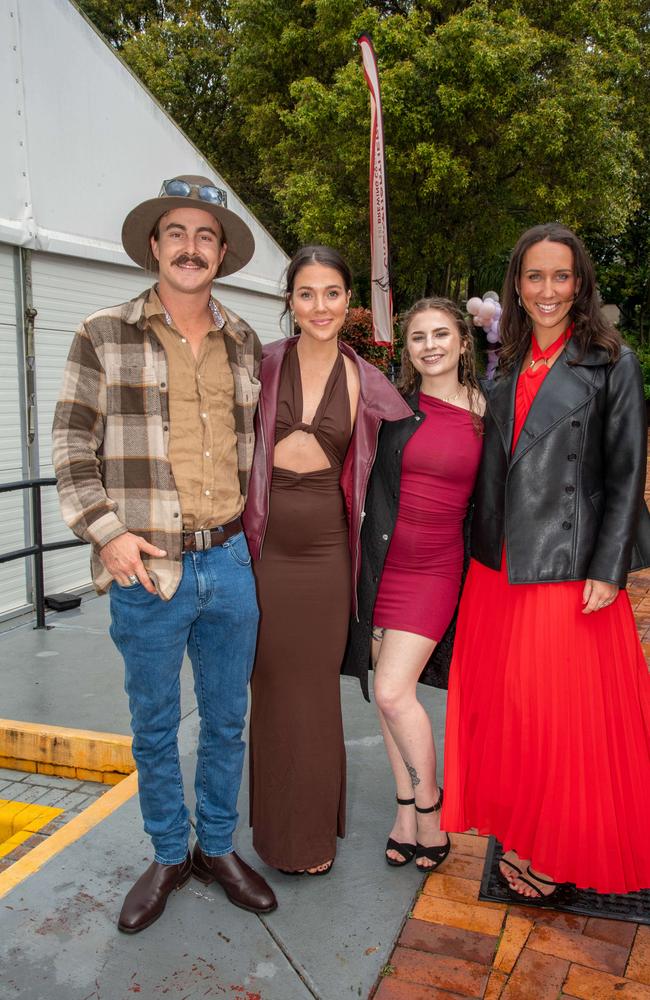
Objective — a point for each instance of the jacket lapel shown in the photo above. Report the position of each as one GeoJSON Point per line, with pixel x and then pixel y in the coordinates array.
{"type": "Point", "coordinates": [500, 399]}
{"type": "Point", "coordinates": [566, 388]}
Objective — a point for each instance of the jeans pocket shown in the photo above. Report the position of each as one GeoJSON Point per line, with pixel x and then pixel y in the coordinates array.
{"type": "Point", "coordinates": [238, 549]}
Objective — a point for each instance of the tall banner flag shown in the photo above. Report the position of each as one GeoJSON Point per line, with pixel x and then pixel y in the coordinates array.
{"type": "Point", "coordinates": [381, 295]}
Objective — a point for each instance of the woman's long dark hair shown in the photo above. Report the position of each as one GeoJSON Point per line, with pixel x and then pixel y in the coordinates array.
{"type": "Point", "coordinates": [590, 326]}
{"type": "Point", "coordinates": [314, 254]}
{"type": "Point", "coordinates": [409, 380]}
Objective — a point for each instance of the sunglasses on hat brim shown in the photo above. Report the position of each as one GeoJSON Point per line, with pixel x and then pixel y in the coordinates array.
{"type": "Point", "coordinates": [176, 188]}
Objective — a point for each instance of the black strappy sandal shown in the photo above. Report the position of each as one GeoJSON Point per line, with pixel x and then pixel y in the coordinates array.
{"type": "Point", "coordinates": [408, 850]}
{"type": "Point", "coordinates": [438, 852]}
{"type": "Point", "coordinates": [563, 893]}
{"type": "Point", "coordinates": [504, 878]}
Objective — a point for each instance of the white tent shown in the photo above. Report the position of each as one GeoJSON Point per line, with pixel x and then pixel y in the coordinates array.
{"type": "Point", "coordinates": [83, 142]}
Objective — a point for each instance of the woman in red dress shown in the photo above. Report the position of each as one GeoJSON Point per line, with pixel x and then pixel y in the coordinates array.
{"type": "Point", "coordinates": [548, 716]}
{"type": "Point", "coordinates": [412, 559]}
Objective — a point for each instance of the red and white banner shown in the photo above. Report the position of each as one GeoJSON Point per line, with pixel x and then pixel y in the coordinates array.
{"type": "Point", "coordinates": [381, 295]}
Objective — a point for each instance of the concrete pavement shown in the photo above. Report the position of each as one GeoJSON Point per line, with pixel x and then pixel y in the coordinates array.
{"type": "Point", "coordinates": [329, 938]}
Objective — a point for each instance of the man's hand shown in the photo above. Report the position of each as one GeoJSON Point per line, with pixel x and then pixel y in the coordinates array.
{"type": "Point", "coordinates": [597, 595]}
{"type": "Point", "coordinates": [121, 557]}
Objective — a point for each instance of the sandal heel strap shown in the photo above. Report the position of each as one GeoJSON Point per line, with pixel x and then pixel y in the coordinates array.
{"type": "Point", "coordinates": [433, 808]}
{"type": "Point", "coordinates": [404, 802]}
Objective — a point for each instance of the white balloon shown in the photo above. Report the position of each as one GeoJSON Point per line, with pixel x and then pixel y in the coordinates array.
{"type": "Point", "coordinates": [491, 295]}
{"type": "Point", "coordinates": [487, 310]}
{"type": "Point", "coordinates": [473, 305]}
{"type": "Point", "coordinates": [477, 321]}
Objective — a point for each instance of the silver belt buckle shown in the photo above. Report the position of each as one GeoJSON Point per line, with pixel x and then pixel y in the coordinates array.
{"type": "Point", "coordinates": [203, 539]}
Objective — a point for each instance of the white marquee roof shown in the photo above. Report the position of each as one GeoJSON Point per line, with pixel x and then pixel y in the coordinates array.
{"type": "Point", "coordinates": [83, 142]}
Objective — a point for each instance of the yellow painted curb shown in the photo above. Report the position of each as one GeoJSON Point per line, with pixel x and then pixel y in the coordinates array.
{"type": "Point", "coordinates": [70, 753]}
{"type": "Point", "coordinates": [68, 834]}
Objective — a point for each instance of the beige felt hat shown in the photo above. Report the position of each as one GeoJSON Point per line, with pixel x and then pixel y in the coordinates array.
{"type": "Point", "coordinates": [188, 191]}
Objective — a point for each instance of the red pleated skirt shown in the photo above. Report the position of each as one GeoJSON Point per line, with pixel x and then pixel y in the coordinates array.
{"type": "Point", "coordinates": [548, 731]}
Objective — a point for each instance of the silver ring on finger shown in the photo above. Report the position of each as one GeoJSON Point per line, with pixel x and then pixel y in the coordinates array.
{"type": "Point", "coordinates": [133, 578]}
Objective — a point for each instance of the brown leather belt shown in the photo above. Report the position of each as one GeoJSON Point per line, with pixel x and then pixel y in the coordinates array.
{"type": "Point", "coordinates": [197, 541]}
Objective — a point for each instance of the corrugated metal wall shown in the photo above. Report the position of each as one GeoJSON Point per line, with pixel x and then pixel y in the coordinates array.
{"type": "Point", "coordinates": [13, 593]}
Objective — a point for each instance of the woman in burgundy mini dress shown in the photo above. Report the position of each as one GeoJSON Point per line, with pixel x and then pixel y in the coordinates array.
{"type": "Point", "coordinates": [412, 559]}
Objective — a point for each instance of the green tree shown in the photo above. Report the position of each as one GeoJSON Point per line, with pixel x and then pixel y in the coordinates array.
{"type": "Point", "coordinates": [497, 115]}
{"type": "Point", "coordinates": [120, 21]}
{"type": "Point", "coordinates": [623, 263]}
{"type": "Point", "coordinates": [182, 57]}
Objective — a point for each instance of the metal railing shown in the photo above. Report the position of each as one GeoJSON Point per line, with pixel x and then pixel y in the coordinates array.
{"type": "Point", "coordinates": [38, 546]}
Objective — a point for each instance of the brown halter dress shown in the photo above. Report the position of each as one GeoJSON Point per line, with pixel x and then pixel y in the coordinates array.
{"type": "Point", "coordinates": [297, 754]}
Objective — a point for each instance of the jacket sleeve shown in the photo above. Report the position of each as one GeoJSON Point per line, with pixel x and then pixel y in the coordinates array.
{"type": "Point", "coordinates": [77, 437]}
{"type": "Point", "coordinates": [624, 450]}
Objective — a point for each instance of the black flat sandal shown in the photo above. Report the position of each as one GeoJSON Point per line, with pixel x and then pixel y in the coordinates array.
{"type": "Point", "coordinates": [438, 852]}
{"type": "Point", "coordinates": [503, 879]}
{"type": "Point", "coordinates": [563, 893]}
{"type": "Point", "coordinates": [408, 850]}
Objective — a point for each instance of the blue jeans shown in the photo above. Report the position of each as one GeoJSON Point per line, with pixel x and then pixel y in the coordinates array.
{"type": "Point", "coordinates": [214, 615]}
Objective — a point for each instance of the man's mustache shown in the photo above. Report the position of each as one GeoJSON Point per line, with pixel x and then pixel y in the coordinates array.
{"type": "Point", "coordinates": [186, 258]}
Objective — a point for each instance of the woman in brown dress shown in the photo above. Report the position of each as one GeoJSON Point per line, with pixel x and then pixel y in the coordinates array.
{"type": "Point", "coordinates": [318, 396]}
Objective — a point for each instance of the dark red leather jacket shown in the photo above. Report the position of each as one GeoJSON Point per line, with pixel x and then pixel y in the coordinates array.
{"type": "Point", "coordinates": [378, 400]}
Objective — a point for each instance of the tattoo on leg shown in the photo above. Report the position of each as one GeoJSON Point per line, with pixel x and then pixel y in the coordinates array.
{"type": "Point", "coordinates": [413, 774]}
{"type": "Point", "coordinates": [378, 633]}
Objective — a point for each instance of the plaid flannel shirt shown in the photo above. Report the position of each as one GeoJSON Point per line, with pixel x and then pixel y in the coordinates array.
{"type": "Point", "coordinates": [111, 435]}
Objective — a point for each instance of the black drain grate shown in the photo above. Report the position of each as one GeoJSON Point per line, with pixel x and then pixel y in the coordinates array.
{"type": "Point", "coordinates": [634, 906]}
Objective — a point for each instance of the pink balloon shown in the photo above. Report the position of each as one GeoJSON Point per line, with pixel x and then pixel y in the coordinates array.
{"type": "Point", "coordinates": [473, 305]}
{"type": "Point", "coordinates": [497, 310]}
{"type": "Point", "coordinates": [477, 321]}
{"type": "Point", "coordinates": [493, 334]}
{"type": "Point", "coordinates": [487, 310]}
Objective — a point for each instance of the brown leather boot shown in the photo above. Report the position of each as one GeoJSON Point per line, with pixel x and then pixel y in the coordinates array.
{"type": "Point", "coordinates": [243, 886]}
{"type": "Point", "coordinates": [146, 900]}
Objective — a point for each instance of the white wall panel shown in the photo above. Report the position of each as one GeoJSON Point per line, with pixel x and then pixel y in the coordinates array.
{"type": "Point", "coordinates": [12, 575]}
{"type": "Point", "coordinates": [71, 116]}
{"type": "Point", "coordinates": [262, 312]}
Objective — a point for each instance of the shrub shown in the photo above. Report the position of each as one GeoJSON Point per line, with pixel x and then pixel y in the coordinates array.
{"type": "Point", "coordinates": [357, 332]}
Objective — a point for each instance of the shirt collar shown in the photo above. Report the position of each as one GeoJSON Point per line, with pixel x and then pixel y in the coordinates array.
{"type": "Point", "coordinates": [154, 307]}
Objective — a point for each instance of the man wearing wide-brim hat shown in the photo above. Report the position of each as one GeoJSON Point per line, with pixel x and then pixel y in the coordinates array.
{"type": "Point", "coordinates": [153, 443]}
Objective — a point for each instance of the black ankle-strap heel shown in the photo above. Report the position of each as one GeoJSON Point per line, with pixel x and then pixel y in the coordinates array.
{"type": "Point", "coordinates": [406, 850]}
{"type": "Point", "coordinates": [434, 808]}
{"type": "Point", "coordinates": [435, 854]}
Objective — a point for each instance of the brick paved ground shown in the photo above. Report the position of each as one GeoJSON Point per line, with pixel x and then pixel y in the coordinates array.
{"type": "Point", "coordinates": [454, 947]}
{"type": "Point", "coordinates": [451, 946]}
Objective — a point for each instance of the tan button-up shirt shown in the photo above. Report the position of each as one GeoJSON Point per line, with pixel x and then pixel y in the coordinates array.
{"type": "Point", "coordinates": [202, 439]}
